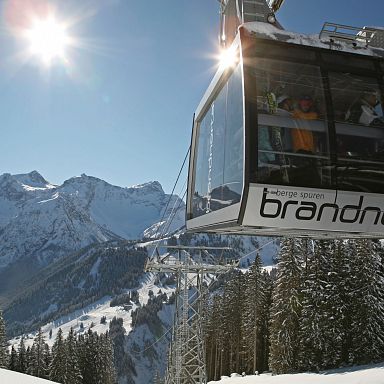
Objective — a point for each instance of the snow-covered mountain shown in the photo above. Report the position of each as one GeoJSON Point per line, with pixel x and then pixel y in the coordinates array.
{"type": "Point", "coordinates": [40, 221]}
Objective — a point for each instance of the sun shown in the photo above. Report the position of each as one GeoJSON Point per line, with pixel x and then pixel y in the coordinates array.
{"type": "Point", "coordinates": [228, 58]}
{"type": "Point", "coordinates": [48, 40]}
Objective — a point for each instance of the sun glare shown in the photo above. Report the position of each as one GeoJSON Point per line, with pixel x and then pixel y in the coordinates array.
{"type": "Point", "coordinates": [228, 58]}
{"type": "Point", "coordinates": [48, 40]}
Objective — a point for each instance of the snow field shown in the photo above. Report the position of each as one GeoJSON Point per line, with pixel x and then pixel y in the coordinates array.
{"type": "Point", "coordinates": [10, 377]}
{"type": "Point", "coordinates": [369, 374]}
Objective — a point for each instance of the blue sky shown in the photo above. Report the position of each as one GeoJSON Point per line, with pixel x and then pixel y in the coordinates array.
{"type": "Point", "coordinates": [122, 110]}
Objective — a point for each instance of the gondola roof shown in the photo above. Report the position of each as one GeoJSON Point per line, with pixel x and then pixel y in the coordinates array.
{"type": "Point", "coordinates": [271, 32]}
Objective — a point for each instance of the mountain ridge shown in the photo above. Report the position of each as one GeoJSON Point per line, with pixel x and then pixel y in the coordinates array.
{"type": "Point", "coordinates": [40, 222]}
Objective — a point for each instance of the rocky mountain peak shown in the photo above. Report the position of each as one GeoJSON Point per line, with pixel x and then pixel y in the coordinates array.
{"type": "Point", "coordinates": [44, 221]}
{"type": "Point", "coordinates": [32, 179]}
{"type": "Point", "coordinates": [150, 187]}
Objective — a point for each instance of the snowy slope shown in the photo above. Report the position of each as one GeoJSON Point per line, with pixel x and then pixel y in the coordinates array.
{"type": "Point", "coordinates": [145, 347]}
{"type": "Point", "coordinates": [9, 377]}
{"type": "Point", "coordinates": [92, 314]}
{"type": "Point", "coordinates": [372, 374]}
{"type": "Point", "coordinates": [42, 221]}
{"type": "Point", "coordinates": [148, 348]}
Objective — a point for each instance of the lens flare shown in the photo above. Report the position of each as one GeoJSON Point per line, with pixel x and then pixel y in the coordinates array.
{"type": "Point", "coordinates": [48, 39]}
{"type": "Point", "coordinates": [45, 37]}
{"type": "Point", "coordinates": [228, 58]}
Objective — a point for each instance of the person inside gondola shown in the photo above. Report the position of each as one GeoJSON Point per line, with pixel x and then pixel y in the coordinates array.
{"type": "Point", "coordinates": [363, 111]}
{"type": "Point", "coordinates": [285, 105]}
{"type": "Point", "coordinates": [273, 142]}
{"type": "Point", "coordinates": [304, 144]}
{"type": "Point", "coordinates": [281, 138]}
{"type": "Point", "coordinates": [302, 139]}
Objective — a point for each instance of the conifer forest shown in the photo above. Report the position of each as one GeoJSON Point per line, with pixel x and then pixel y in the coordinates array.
{"type": "Point", "coordinates": [75, 359]}
{"type": "Point", "coordinates": [322, 307]}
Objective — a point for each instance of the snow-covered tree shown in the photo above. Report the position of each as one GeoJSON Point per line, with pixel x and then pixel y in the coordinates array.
{"type": "Point", "coordinates": [38, 357]}
{"type": "Point", "coordinates": [87, 347]}
{"type": "Point", "coordinates": [12, 364]}
{"type": "Point", "coordinates": [72, 350]}
{"type": "Point", "coordinates": [3, 344]}
{"type": "Point", "coordinates": [214, 338]}
{"type": "Point", "coordinates": [339, 285]}
{"type": "Point", "coordinates": [28, 358]}
{"type": "Point", "coordinates": [96, 359]}
{"type": "Point", "coordinates": [105, 363]}
{"type": "Point", "coordinates": [233, 301]}
{"type": "Point", "coordinates": [58, 367]}
{"type": "Point", "coordinates": [252, 317]}
{"type": "Point", "coordinates": [22, 364]}
{"type": "Point", "coordinates": [225, 343]}
{"type": "Point", "coordinates": [123, 362]}
{"type": "Point", "coordinates": [315, 316]}
{"type": "Point", "coordinates": [286, 309]}
{"type": "Point", "coordinates": [368, 305]}
{"type": "Point", "coordinates": [265, 320]}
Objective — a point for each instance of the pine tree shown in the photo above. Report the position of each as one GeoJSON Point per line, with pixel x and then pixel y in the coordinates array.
{"type": "Point", "coordinates": [232, 359]}
{"type": "Point", "coordinates": [73, 369]}
{"type": "Point", "coordinates": [12, 365]}
{"type": "Point", "coordinates": [124, 365]}
{"type": "Point", "coordinates": [265, 317]}
{"type": "Point", "coordinates": [367, 326]}
{"type": "Point", "coordinates": [3, 343]}
{"type": "Point", "coordinates": [214, 338]}
{"type": "Point", "coordinates": [338, 305]}
{"type": "Point", "coordinates": [58, 367]}
{"type": "Point", "coordinates": [22, 357]}
{"type": "Point", "coordinates": [38, 360]}
{"type": "Point", "coordinates": [28, 359]}
{"type": "Point", "coordinates": [96, 359]}
{"type": "Point", "coordinates": [252, 317]}
{"type": "Point", "coordinates": [47, 359]}
{"type": "Point", "coordinates": [285, 311]}
{"type": "Point", "coordinates": [314, 314]}
{"type": "Point", "coordinates": [224, 343]}
{"type": "Point", "coordinates": [88, 361]}
{"type": "Point", "coordinates": [105, 364]}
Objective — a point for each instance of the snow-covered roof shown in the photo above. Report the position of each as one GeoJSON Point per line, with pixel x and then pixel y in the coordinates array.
{"type": "Point", "coordinates": [270, 32]}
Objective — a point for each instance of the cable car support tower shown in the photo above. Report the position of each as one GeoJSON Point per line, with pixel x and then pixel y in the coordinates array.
{"type": "Point", "coordinates": [191, 266]}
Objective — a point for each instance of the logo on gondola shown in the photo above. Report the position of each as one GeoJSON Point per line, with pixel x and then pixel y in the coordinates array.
{"type": "Point", "coordinates": [273, 208]}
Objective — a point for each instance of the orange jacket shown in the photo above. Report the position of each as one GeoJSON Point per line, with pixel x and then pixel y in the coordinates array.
{"type": "Point", "coordinates": [303, 138]}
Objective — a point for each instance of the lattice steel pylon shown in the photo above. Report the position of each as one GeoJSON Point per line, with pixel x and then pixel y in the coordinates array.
{"type": "Point", "coordinates": [186, 357]}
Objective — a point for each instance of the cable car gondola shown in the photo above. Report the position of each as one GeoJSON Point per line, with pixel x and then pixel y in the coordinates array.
{"type": "Point", "coordinates": [289, 140]}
